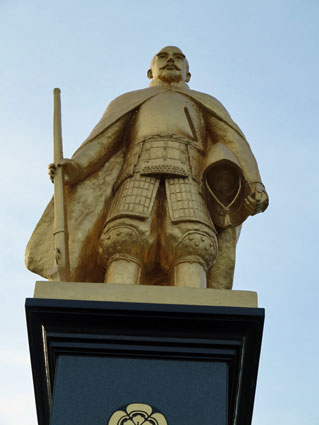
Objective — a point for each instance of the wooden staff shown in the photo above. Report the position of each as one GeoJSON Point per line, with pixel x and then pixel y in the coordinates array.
{"type": "Point", "coordinates": [61, 269]}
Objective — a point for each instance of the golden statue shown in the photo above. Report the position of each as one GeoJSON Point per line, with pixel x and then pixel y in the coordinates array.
{"type": "Point", "coordinates": [158, 191]}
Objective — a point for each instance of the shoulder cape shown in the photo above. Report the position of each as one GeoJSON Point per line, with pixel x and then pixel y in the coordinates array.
{"type": "Point", "coordinates": [131, 100]}
{"type": "Point", "coordinates": [88, 201]}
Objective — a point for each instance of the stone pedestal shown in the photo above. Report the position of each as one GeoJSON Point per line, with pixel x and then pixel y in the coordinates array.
{"type": "Point", "coordinates": [195, 363]}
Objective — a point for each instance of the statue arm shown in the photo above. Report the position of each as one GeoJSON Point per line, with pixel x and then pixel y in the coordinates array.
{"type": "Point", "coordinates": [93, 154]}
{"type": "Point", "coordinates": [221, 132]}
{"type": "Point", "coordinates": [237, 144]}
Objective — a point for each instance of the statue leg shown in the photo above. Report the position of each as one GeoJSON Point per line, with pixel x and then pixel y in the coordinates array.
{"type": "Point", "coordinates": [129, 240]}
{"type": "Point", "coordinates": [188, 242]}
{"type": "Point", "coordinates": [190, 274]}
{"type": "Point", "coordinates": [188, 250]}
{"type": "Point", "coordinates": [124, 271]}
{"type": "Point", "coordinates": [194, 254]}
{"type": "Point", "coordinates": [128, 248]}
{"type": "Point", "coordinates": [121, 253]}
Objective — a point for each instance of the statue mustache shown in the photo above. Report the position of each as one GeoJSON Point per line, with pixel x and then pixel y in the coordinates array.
{"type": "Point", "coordinates": [171, 65]}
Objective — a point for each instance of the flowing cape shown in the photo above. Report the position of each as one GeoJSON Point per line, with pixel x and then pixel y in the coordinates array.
{"type": "Point", "coordinates": [88, 201]}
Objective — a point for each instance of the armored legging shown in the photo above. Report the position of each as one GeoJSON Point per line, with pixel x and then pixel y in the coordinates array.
{"type": "Point", "coordinates": [153, 223]}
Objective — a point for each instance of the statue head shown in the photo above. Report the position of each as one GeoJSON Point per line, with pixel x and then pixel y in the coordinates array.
{"type": "Point", "coordinates": [169, 65]}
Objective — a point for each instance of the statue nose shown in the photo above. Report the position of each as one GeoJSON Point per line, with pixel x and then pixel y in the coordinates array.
{"type": "Point", "coordinates": [171, 60]}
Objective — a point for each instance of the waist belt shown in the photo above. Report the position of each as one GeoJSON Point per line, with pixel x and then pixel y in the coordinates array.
{"type": "Point", "coordinates": [164, 155]}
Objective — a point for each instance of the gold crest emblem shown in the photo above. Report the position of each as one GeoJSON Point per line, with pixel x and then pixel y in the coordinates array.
{"type": "Point", "coordinates": [137, 414]}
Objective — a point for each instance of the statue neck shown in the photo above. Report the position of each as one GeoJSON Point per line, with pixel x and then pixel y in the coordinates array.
{"type": "Point", "coordinates": [164, 84]}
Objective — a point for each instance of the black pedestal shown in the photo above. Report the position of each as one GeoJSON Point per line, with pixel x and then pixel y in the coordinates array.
{"type": "Point", "coordinates": [195, 364]}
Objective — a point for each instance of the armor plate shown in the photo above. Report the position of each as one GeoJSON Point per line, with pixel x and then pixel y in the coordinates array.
{"type": "Point", "coordinates": [164, 155]}
{"type": "Point", "coordinates": [185, 202]}
{"type": "Point", "coordinates": [135, 197]}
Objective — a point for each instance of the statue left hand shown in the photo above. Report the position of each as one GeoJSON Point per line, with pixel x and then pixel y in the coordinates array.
{"type": "Point", "coordinates": [258, 201]}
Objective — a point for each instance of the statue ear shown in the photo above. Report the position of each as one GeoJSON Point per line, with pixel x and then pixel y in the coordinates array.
{"type": "Point", "coordinates": [188, 77]}
{"type": "Point", "coordinates": [149, 74]}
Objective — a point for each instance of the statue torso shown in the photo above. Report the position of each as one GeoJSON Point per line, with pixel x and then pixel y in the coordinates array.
{"type": "Point", "coordinates": [166, 137]}
{"type": "Point", "coordinates": [165, 115]}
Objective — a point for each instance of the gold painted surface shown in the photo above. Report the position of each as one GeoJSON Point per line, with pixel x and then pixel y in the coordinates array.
{"type": "Point", "coordinates": [169, 109]}
{"type": "Point", "coordinates": [144, 294]}
{"type": "Point", "coordinates": [137, 414]}
{"type": "Point", "coordinates": [61, 266]}
{"type": "Point", "coordinates": [157, 193]}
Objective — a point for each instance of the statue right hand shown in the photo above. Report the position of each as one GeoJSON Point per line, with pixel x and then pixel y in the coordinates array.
{"type": "Point", "coordinates": [71, 170]}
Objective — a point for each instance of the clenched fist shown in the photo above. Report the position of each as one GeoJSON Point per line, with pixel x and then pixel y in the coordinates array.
{"type": "Point", "coordinates": [71, 170]}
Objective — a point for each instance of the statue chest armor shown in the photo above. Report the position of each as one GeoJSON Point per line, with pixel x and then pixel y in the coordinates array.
{"type": "Point", "coordinates": [166, 137]}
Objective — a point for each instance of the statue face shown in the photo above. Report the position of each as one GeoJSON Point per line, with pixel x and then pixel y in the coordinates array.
{"type": "Point", "coordinates": [170, 65]}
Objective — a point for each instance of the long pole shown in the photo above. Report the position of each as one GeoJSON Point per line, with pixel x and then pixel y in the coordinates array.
{"type": "Point", "coordinates": [61, 269]}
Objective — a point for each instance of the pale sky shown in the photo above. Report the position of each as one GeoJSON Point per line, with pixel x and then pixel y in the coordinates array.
{"type": "Point", "coordinates": [260, 59]}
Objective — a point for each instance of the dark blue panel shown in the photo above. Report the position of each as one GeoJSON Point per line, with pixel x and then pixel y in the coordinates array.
{"type": "Point", "coordinates": [89, 389]}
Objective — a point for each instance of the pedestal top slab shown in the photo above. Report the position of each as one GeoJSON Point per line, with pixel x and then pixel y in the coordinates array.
{"type": "Point", "coordinates": [144, 294]}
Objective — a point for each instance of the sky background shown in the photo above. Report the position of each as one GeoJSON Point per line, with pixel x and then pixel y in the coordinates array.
{"type": "Point", "coordinates": [260, 59]}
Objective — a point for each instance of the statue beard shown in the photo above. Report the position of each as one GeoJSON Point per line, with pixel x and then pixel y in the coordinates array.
{"type": "Point", "coordinates": [167, 76]}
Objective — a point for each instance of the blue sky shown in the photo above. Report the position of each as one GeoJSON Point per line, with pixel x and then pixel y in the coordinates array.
{"type": "Point", "coordinates": [260, 59]}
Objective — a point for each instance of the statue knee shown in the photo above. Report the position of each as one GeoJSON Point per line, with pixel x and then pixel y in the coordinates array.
{"type": "Point", "coordinates": [197, 247]}
{"type": "Point", "coordinates": [120, 243]}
